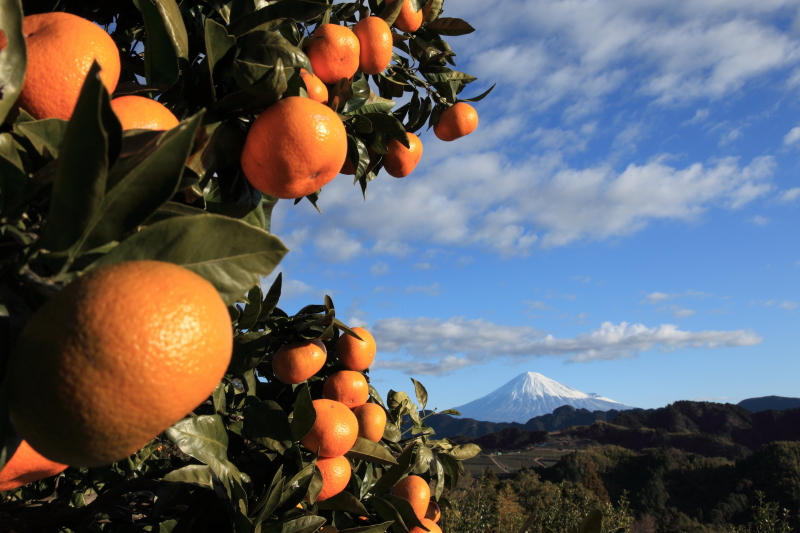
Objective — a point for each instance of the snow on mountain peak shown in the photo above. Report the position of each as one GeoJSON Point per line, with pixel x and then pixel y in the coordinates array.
{"type": "Point", "coordinates": [529, 395]}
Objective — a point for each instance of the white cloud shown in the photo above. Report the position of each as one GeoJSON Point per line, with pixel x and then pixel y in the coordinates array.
{"type": "Point", "coordinates": [336, 245]}
{"type": "Point", "coordinates": [789, 196]}
{"type": "Point", "coordinates": [758, 220]}
{"type": "Point", "coordinates": [792, 137]}
{"type": "Point", "coordinates": [435, 346]}
{"type": "Point", "coordinates": [788, 305]}
{"type": "Point", "coordinates": [785, 304]}
{"type": "Point", "coordinates": [538, 306]}
{"type": "Point", "coordinates": [656, 297]}
{"type": "Point", "coordinates": [379, 268]}
{"type": "Point", "coordinates": [681, 312]}
{"type": "Point", "coordinates": [430, 290]}
{"type": "Point", "coordinates": [423, 266]}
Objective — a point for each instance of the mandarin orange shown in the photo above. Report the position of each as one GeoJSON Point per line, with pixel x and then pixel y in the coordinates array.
{"type": "Point", "coordinates": [415, 491]}
{"type": "Point", "coordinates": [348, 387]}
{"type": "Point", "coordinates": [400, 161]}
{"type": "Point", "coordinates": [335, 55]}
{"type": "Point", "coordinates": [356, 354]}
{"type": "Point", "coordinates": [334, 431]}
{"type": "Point", "coordinates": [139, 113]}
{"type": "Point", "coordinates": [375, 40]}
{"type": "Point", "coordinates": [456, 122]}
{"type": "Point", "coordinates": [316, 90]}
{"type": "Point", "coordinates": [335, 473]}
{"type": "Point", "coordinates": [371, 421]}
{"type": "Point", "coordinates": [297, 361]}
{"type": "Point", "coordinates": [26, 465]}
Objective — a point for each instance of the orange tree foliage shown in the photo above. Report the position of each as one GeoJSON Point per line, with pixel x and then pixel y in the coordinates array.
{"type": "Point", "coordinates": [82, 193]}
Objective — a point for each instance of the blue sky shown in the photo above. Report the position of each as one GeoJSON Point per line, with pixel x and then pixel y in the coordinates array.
{"type": "Point", "coordinates": [624, 220]}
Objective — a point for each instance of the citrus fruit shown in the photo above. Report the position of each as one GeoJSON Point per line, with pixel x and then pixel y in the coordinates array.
{"type": "Point", "coordinates": [356, 354]}
{"type": "Point", "coordinates": [348, 387]}
{"type": "Point", "coordinates": [26, 465]}
{"type": "Point", "coordinates": [415, 491]}
{"type": "Point", "coordinates": [115, 358]}
{"type": "Point", "coordinates": [400, 161]}
{"type": "Point", "coordinates": [314, 87]}
{"type": "Point", "coordinates": [61, 49]}
{"type": "Point", "coordinates": [335, 476]}
{"type": "Point", "coordinates": [430, 524]}
{"type": "Point", "coordinates": [334, 431]}
{"type": "Point", "coordinates": [375, 40]}
{"type": "Point", "coordinates": [434, 513]}
{"type": "Point", "coordinates": [297, 361]}
{"type": "Point", "coordinates": [140, 113]}
{"type": "Point", "coordinates": [456, 121]}
{"type": "Point", "coordinates": [408, 20]}
{"type": "Point", "coordinates": [335, 55]}
{"type": "Point", "coordinates": [371, 421]}
{"type": "Point", "coordinates": [294, 148]}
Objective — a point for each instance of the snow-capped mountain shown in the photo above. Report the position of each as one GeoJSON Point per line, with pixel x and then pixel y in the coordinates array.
{"type": "Point", "coordinates": [529, 395]}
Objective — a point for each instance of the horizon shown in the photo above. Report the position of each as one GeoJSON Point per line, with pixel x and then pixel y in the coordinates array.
{"type": "Point", "coordinates": [624, 219]}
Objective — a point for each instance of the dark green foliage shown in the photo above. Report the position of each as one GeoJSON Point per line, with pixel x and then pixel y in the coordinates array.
{"type": "Point", "coordinates": [506, 439]}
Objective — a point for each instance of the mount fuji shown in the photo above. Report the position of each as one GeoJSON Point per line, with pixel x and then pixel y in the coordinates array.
{"type": "Point", "coordinates": [529, 395]}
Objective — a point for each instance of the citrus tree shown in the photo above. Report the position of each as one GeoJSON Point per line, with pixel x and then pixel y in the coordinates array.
{"type": "Point", "coordinates": [148, 383]}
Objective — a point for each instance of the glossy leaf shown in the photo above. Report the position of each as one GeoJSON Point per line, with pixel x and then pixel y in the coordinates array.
{"type": "Point", "coordinates": [304, 415]}
{"type": "Point", "coordinates": [406, 512]}
{"type": "Point", "coordinates": [199, 475]}
{"type": "Point", "coordinates": [344, 501]}
{"type": "Point", "coordinates": [200, 437]}
{"type": "Point", "coordinates": [45, 135]}
{"type": "Point", "coordinates": [13, 59]}
{"type": "Point", "coordinates": [266, 48]}
{"type": "Point", "coordinates": [375, 528]}
{"type": "Point", "coordinates": [166, 41]}
{"type": "Point", "coordinates": [297, 10]}
{"type": "Point", "coordinates": [372, 452]}
{"type": "Point", "coordinates": [388, 512]}
{"type": "Point", "coordinates": [479, 97]}
{"type": "Point", "coordinates": [233, 261]}
{"type": "Point", "coordinates": [273, 296]}
{"type": "Point", "coordinates": [450, 26]}
{"type": "Point", "coordinates": [304, 524]}
{"type": "Point", "coordinates": [435, 9]}
{"type": "Point", "coordinates": [453, 412]}
{"type": "Point", "coordinates": [389, 125]}
{"type": "Point", "coordinates": [267, 424]}
{"type": "Point", "coordinates": [396, 472]}
{"type": "Point", "coordinates": [391, 12]}
{"type": "Point", "coordinates": [252, 310]}
{"type": "Point", "coordinates": [218, 43]}
{"type": "Point", "coordinates": [422, 394]}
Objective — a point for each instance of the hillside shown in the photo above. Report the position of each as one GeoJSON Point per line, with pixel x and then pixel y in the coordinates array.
{"type": "Point", "coordinates": [765, 403]}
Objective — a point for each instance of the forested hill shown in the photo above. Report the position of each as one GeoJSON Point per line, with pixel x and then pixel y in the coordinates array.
{"type": "Point", "coordinates": [564, 416]}
{"type": "Point", "coordinates": [708, 429]}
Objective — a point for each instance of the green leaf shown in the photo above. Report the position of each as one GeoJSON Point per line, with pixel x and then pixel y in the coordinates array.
{"type": "Point", "coordinates": [297, 488]}
{"type": "Point", "coordinates": [464, 452]}
{"type": "Point", "coordinates": [441, 74]}
{"type": "Point", "coordinates": [374, 104]}
{"type": "Point", "coordinates": [82, 169]}
{"type": "Point", "coordinates": [479, 97]}
{"type": "Point", "coordinates": [303, 415]}
{"type": "Point", "coordinates": [397, 472]}
{"type": "Point", "coordinates": [252, 310]}
{"type": "Point", "coordinates": [438, 473]}
{"type": "Point", "coordinates": [218, 43]}
{"type": "Point", "coordinates": [267, 424]}
{"type": "Point", "coordinates": [139, 185]}
{"type": "Point", "coordinates": [403, 507]}
{"type": "Point", "coordinates": [260, 95]}
{"type": "Point", "coordinates": [592, 522]}
{"type": "Point", "coordinates": [304, 524]}
{"type": "Point", "coordinates": [435, 9]}
{"type": "Point", "coordinates": [453, 412]}
{"type": "Point", "coordinates": [199, 475]}
{"type": "Point", "coordinates": [375, 528]}
{"type": "Point", "coordinates": [344, 501]}
{"type": "Point", "coordinates": [388, 512]}
{"type": "Point", "coordinates": [267, 504]}
{"type": "Point", "coordinates": [391, 10]}
{"type": "Point", "coordinates": [233, 260]}
{"type": "Point", "coordinates": [166, 41]}
{"type": "Point", "coordinates": [389, 125]}
{"type": "Point", "coordinates": [372, 452]}
{"type": "Point", "coordinates": [12, 178]}
{"type": "Point", "coordinates": [422, 394]}
{"type": "Point", "coordinates": [297, 10]}
{"type": "Point", "coordinates": [450, 26]}
{"type": "Point", "coordinates": [45, 135]}
{"type": "Point", "coordinates": [201, 437]}
{"type": "Point", "coordinates": [267, 47]}
{"type": "Point", "coordinates": [14, 58]}
{"type": "Point", "coordinates": [272, 297]}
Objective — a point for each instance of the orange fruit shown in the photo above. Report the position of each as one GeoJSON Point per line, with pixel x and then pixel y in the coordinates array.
{"type": "Point", "coordinates": [314, 87]}
{"type": "Point", "coordinates": [456, 121]}
{"type": "Point", "coordinates": [297, 361]}
{"type": "Point", "coordinates": [140, 113]}
{"type": "Point", "coordinates": [375, 39]}
{"type": "Point", "coordinates": [335, 476]}
{"type": "Point", "coordinates": [408, 20]}
{"type": "Point", "coordinates": [400, 161]}
{"type": "Point", "coordinates": [371, 421]}
{"type": "Point", "coordinates": [335, 430]}
{"type": "Point", "coordinates": [115, 358]}
{"type": "Point", "coordinates": [430, 524]}
{"type": "Point", "coordinates": [294, 148]}
{"type": "Point", "coordinates": [356, 354]}
{"type": "Point", "coordinates": [335, 56]}
{"type": "Point", "coordinates": [26, 465]}
{"type": "Point", "coordinates": [434, 513]}
{"type": "Point", "coordinates": [348, 387]}
{"type": "Point", "coordinates": [416, 491]}
{"type": "Point", "coordinates": [61, 49]}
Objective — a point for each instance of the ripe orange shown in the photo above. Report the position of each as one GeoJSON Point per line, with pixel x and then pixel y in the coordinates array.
{"type": "Point", "coordinates": [348, 387]}
{"type": "Point", "coordinates": [434, 513]}
{"type": "Point", "coordinates": [335, 476]}
{"type": "Point", "coordinates": [356, 354]}
{"type": "Point", "coordinates": [371, 421]}
{"type": "Point", "coordinates": [335, 56]}
{"type": "Point", "coordinates": [294, 148]}
{"type": "Point", "coordinates": [61, 48]}
{"type": "Point", "coordinates": [115, 358]}
{"type": "Point", "coordinates": [297, 361]}
{"type": "Point", "coordinates": [314, 87]}
{"type": "Point", "coordinates": [456, 121]}
{"type": "Point", "coordinates": [335, 429]}
{"type": "Point", "coordinates": [400, 161]}
{"type": "Point", "coordinates": [140, 113]}
{"type": "Point", "coordinates": [375, 39]}
{"type": "Point", "coordinates": [430, 524]}
{"type": "Point", "coordinates": [408, 20]}
{"type": "Point", "coordinates": [416, 491]}
{"type": "Point", "coordinates": [26, 465]}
